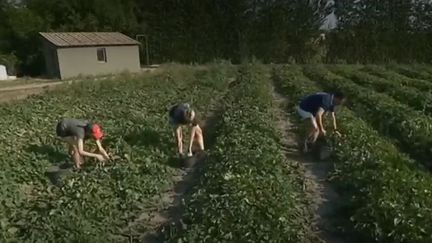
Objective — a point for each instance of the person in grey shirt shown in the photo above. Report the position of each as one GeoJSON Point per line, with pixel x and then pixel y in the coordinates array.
{"type": "Point", "coordinates": [183, 115]}
{"type": "Point", "coordinates": [74, 132]}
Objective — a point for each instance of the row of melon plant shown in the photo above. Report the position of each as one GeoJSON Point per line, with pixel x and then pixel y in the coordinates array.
{"type": "Point", "coordinates": [247, 191]}
{"type": "Point", "coordinates": [413, 97]}
{"type": "Point", "coordinates": [417, 71]}
{"type": "Point", "coordinates": [390, 198]}
{"type": "Point", "coordinates": [382, 72]}
{"type": "Point", "coordinates": [95, 204]}
{"type": "Point", "coordinates": [411, 129]}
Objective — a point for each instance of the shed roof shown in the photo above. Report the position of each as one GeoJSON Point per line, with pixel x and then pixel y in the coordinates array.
{"type": "Point", "coordinates": [79, 39]}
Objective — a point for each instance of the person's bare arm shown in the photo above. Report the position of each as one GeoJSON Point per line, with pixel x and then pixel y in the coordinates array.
{"type": "Point", "coordinates": [319, 119]}
{"type": "Point", "coordinates": [101, 149]}
{"type": "Point", "coordinates": [335, 124]}
{"type": "Point", "coordinates": [85, 153]}
{"type": "Point", "coordinates": [179, 138]}
{"type": "Point", "coordinates": [334, 121]}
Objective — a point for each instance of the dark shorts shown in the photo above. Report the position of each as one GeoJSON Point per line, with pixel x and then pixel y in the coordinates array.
{"type": "Point", "coordinates": [61, 130]}
{"type": "Point", "coordinates": [174, 122]}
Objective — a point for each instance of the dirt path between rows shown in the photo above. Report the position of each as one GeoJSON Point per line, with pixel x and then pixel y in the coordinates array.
{"type": "Point", "coordinates": [325, 200]}
{"type": "Point", "coordinates": [152, 221]}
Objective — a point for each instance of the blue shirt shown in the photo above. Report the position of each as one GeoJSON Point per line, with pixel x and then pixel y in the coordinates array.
{"type": "Point", "coordinates": [312, 103]}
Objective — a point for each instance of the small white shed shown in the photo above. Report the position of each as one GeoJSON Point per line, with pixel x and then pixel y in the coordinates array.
{"type": "Point", "coordinates": [3, 73]}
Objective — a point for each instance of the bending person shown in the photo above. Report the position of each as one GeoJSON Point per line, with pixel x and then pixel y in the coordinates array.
{"type": "Point", "coordinates": [182, 115]}
{"type": "Point", "coordinates": [313, 107]}
{"type": "Point", "coordinates": [74, 132]}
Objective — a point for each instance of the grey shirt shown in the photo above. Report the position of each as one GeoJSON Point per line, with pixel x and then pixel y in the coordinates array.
{"type": "Point", "coordinates": [75, 127]}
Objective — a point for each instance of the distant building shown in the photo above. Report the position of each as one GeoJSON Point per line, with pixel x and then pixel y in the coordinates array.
{"type": "Point", "coordinates": [71, 54]}
{"type": "Point", "coordinates": [3, 73]}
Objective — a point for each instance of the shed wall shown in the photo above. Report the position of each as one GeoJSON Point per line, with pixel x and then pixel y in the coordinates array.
{"type": "Point", "coordinates": [83, 60]}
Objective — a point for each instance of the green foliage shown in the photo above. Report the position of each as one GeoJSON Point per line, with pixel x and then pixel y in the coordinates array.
{"type": "Point", "coordinates": [370, 31]}
{"type": "Point", "coordinates": [95, 204]}
{"type": "Point", "coordinates": [276, 31]}
{"type": "Point", "coordinates": [388, 196]}
{"type": "Point", "coordinates": [380, 71]}
{"type": "Point", "coordinates": [177, 31]}
{"type": "Point", "coordinates": [401, 91]}
{"type": "Point", "coordinates": [247, 191]}
{"type": "Point", "coordinates": [410, 128]}
{"type": "Point", "coordinates": [411, 71]}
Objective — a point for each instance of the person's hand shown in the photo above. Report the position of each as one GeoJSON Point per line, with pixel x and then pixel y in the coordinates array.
{"type": "Point", "coordinates": [323, 132]}
{"type": "Point", "coordinates": [106, 157]}
{"type": "Point", "coordinates": [100, 157]}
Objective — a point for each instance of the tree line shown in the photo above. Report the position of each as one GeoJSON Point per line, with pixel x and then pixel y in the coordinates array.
{"type": "Point", "coordinates": [198, 31]}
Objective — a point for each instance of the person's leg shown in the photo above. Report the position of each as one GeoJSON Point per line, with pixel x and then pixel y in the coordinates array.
{"type": "Point", "coordinates": [70, 143]}
{"type": "Point", "coordinates": [77, 158]}
{"type": "Point", "coordinates": [199, 137]}
{"type": "Point", "coordinates": [179, 139]}
{"type": "Point", "coordinates": [314, 131]}
{"type": "Point", "coordinates": [81, 158]}
{"type": "Point", "coordinates": [177, 132]}
{"type": "Point", "coordinates": [311, 134]}
{"type": "Point", "coordinates": [73, 151]}
{"type": "Point", "coordinates": [306, 141]}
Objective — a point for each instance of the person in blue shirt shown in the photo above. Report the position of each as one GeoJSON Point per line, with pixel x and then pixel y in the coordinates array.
{"type": "Point", "coordinates": [313, 107]}
{"type": "Point", "coordinates": [183, 115]}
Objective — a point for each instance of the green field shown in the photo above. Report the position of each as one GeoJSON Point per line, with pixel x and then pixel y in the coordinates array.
{"type": "Point", "coordinates": [245, 189]}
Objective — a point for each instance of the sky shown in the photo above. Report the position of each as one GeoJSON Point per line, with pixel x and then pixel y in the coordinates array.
{"type": "Point", "coordinates": [331, 20]}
